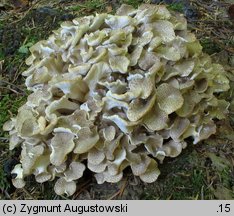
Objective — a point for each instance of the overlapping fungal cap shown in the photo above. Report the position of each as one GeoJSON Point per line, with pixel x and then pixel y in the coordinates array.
{"type": "Point", "coordinates": [114, 91]}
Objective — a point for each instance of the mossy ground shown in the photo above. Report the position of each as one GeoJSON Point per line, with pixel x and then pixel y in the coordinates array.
{"type": "Point", "coordinates": [204, 171]}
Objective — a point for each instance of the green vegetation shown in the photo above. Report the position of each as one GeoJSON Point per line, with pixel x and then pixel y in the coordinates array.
{"type": "Point", "coordinates": [134, 3]}
{"type": "Point", "coordinates": [1, 53]}
{"type": "Point", "coordinates": [209, 46]}
{"type": "Point", "coordinates": [176, 6]}
{"type": "Point", "coordinates": [187, 177]}
{"type": "Point", "coordinates": [185, 186]}
{"type": "Point", "coordinates": [186, 180]}
{"type": "Point", "coordinates": [14, 54]}
{"type": "Point", "coordinates": [24, 49]}
{"type": "Point", "coordinates": [4, 182]}
{"type": "Point", "coordinates": [89, 5]}
{"type": "Point", "coordinates": [9, 105]}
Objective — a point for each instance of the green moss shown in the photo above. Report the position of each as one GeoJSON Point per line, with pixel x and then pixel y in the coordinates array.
{"type": "Point", "coordinates": [75, 8]}
{"type": "Point", "coordinates": [1, 53]}
{"type": "Point", "coordinates": [209, 46]}
{"type": "Point", "coordinates": [188, 185]}
{"type": "Point", "coordinates": [134, 3]}
{"type": "Point", "coordinates": [147, 195]}
{"type": "Point", "coordinates": [94, 4]}
{"type": "Point", "coordinates": [9, 104]}
{"type": "Point", "coordinates": [49, 193]}
{"type": "Point", "coordinates": [89, 5]}
{"type": "Point", "coordinates": [193, 182]}
{"type": "Point", "coordinates": [176, 7]}
{"type": "Point", "coordinates": [4, 183]}
{"type": "Point", "coordinates": [181, 178]}
{"type": "Point", "coordinates": [18, 59]}
{"type": "Point", "coordinates": [226, 178]}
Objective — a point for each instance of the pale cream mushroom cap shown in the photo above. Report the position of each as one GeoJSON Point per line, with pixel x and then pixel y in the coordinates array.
{"type": "Point", "coordinates": [111, 92]}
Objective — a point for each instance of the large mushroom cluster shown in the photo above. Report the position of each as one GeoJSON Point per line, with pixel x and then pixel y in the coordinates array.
{"type": "Point", "coordinates": [114, 91]}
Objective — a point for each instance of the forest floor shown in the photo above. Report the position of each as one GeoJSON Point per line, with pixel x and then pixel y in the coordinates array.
{"type": "Point", "coordinates": [203, 171]}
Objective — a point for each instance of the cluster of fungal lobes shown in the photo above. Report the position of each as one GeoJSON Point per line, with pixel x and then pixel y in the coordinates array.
{"type": "Point", "coordinates": [111, 92]}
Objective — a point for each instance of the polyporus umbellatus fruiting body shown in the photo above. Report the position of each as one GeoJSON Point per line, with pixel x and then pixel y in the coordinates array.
{"type": "Point", "coordinates": [113, 91]}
